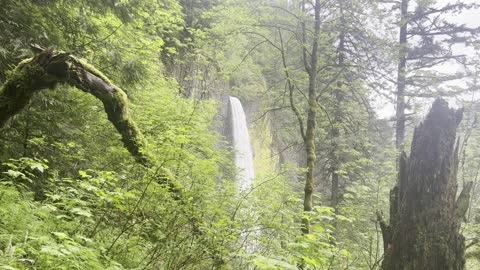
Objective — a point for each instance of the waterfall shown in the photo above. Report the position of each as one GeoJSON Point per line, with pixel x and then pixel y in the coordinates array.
{"type": "Point", "coordinates": [244, 164]}
{"type": "Point", "coordinates": [241, 143]}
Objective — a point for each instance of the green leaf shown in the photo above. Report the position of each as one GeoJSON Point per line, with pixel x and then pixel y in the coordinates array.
{"type": "Point", "coordinates": [343, 218]}
{"type": "Point", "coordinates": [83, 174]}
{"type": "Point", "coordinates": [6, 267]}
{"type": "Point", "coordinates": [14, 174]}
{"type": "Point", "coordinates": [310, 261]}
{"type": "Point", "coordinates": [60, 235]}
{"type": "Point", "coordinates": [51, 250]}
{"type": "Point", "coordinates": [81, 212]}
{"type": "Point", "coordinates": [11, 165]}
{"type": "Point", "coordinates": [37, 166]}
{"type": "Point", "coordinates": [318, 228]}
{"type": "Point", "coordinates": [345, 253]}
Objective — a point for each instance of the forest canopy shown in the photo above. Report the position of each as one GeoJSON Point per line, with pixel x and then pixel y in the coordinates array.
{"type": "Point", "coordinates": [209, 134]}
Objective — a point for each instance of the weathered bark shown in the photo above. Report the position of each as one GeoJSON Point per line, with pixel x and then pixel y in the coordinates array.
{"type": "Point", "coordinates": [50, 67]}
{"type": "Point", "coordinates": [425, 218]}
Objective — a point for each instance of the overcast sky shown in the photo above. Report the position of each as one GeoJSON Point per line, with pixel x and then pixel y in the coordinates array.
{"type": "Point", "coordinates": [471, 18]}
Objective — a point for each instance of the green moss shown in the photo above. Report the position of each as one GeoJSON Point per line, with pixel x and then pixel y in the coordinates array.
{"type": "Point", "coordinates": [26, 79]}
{"type": "Point", "coordinates": [23, 63]}
{"type": "Point", "coordinates": [29, 77]}
{"type": "Point", "coordinates": [94, 71]}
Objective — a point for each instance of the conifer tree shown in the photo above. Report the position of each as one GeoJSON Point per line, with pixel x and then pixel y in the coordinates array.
{"type": "Point", "coordinates": [426, 41]}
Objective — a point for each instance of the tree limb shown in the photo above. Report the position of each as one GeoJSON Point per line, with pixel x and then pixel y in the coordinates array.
{"type": "Point", "coordinates": [49, 67]}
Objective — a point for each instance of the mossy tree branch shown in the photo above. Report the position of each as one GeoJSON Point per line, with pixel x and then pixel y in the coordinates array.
{"type": "Point", "coordinates": [50, 67]}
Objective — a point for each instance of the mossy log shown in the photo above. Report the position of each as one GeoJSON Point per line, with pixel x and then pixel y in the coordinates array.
{"type": "Point", "coordinates": [50, 67]}
{"type": "Point", "coordinates": [425, 216]}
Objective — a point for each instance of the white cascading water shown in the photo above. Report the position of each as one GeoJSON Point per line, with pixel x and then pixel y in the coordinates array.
{"type": "Point", "coordinates": [243, 162]}
{"type": "Point", "coordinates": [241, 143]}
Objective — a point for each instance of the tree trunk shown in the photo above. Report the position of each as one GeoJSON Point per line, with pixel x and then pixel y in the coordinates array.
{"type": "Point", "coordinates": [335, 161]}
{"type": "Point", "coordinates": [311, 122]}
{"type": "Point", "coordinates": [401, 78]}
{"type": "Point", "coordinates": [425, 218]}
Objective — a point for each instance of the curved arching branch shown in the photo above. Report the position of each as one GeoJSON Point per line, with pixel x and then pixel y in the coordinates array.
{"type": "Point", "coordinates": [50, 67]}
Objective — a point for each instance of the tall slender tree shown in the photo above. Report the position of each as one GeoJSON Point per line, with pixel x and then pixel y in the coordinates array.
{"type": "Point", "coordinates": [426, 41]}
{"type": "Point", "coordinates": [311, 64]}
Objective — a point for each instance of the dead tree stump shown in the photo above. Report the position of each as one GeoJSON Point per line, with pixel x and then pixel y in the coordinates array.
{"type": "Point", "coordinates": [425, 216]}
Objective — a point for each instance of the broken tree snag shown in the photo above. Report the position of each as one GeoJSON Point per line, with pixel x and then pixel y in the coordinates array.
{"type": "Point", "coordinates": [425, 216]}
{"type": "Point", "coordinates": [50, 67]}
